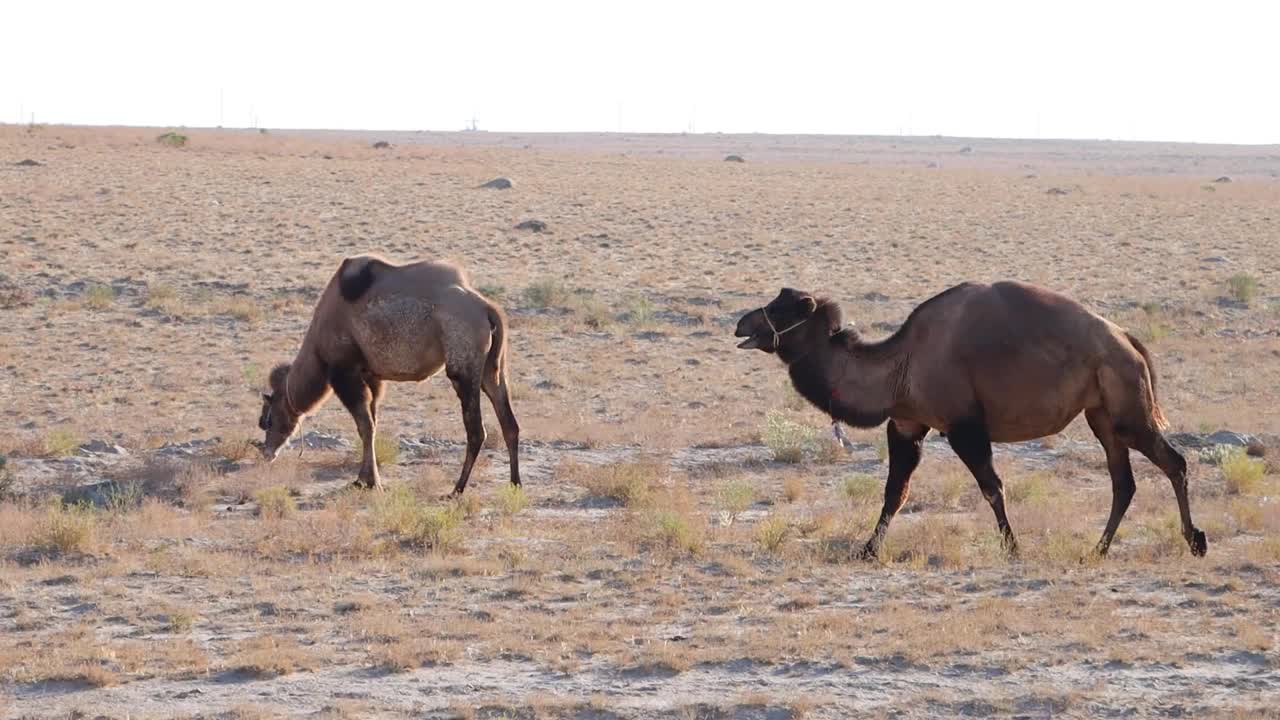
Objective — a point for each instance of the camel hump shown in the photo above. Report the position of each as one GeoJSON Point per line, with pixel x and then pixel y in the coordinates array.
{"type": "Point", "coordinates": [357, 274]}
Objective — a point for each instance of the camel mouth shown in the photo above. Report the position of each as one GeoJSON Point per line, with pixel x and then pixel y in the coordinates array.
{"type": "Point", "coordinates": [750, 343]}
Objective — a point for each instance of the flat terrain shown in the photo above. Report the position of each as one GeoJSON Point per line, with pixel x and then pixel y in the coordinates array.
{"type": "Point", "coordinates": [682, 547]}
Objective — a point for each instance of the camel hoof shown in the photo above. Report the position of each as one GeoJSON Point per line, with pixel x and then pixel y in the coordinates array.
{"type": "Point", "coordinates": [1199, 543]}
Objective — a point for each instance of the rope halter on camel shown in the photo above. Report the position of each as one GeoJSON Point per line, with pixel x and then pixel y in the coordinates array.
{"type": "Point", "coordinates": [779, 333]}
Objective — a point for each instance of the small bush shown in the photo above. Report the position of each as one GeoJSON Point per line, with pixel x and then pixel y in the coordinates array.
{"type": "Point", "coordinates": [122, 497]}
{"type": "Point", "coordinates": [99, 297]}
{"type": "Point", "coordinates": [735, 496]}
{"type": "Point", "coordinates": [60, 442]}
{"type": "Point", "coordinates": [1214, 454]}
{"type": "Point", "coordinates": [640, 310]}
{"type": "Point", "coordinates": [275, 503]}
{"type": "Point", "coordinates": [793, 488]}
{"type": "Point", "coordinates": [394, 511]}
{"type": "Point", "coordinates": [511, 500]}
{"type": "Point", "coordinates": [240, 308]}
{"type": "Point", "coordinates": [629, 483]}
{"type": "Point", "coordinates": [172, 139]}
{"type": "Point", "coordinates": [164, 299]}
{"type": "Point", "coordinates": [68, 528]}
{"type": "Point", "coordinates": [771, 533]}
{"type": "Point", "coordinates": [547, 294]}
{"type": "Point", "coordinates": [861, 489]}
{"type": "Point", "coordinates": [437, 529]}
{"type": "Point", "coordinates": [787, 439]}
{"type": "Point", "coordinates": [1242, 287]}
{"type": "Point", "coordinates": [674, 531]}
{"type": "Point", "coordinates": [1243, 474]}
{"type": "Point", "coordinates": [595, 314]}
{"type": "Point", "coordinates": [493, 292]}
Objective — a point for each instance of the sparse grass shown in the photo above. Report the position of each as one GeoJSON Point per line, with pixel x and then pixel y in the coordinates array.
{"type": "Point", "coordinates": [547, 294]}
{"type": "Point", "coordinates": [275, 503]}
{"type": "Point", "coordinates": [594, 313]}
{"type": "Point", "coordinates": [438, 529]}
{"type": "Point", "coordinates": [734, 497]}
{"type": "Point", "coordinates": [511, 500]}
{"type": "Point", "coordinates": [123, 496]}
{"type": "Point", "coordinates": [273, 655]}
{"type": "Point", "coordinates": [1242, 474]}
{"type": "Point", "coordinates": [238, 307]}
{"type": "Point", "coordinates": [861, 489]}
{"type": "Point", "coordinates": [786, 439]}
{"type": "Point", "coordinates": [1242, 287]}
{"type": "Point", "coordinates": [1032, 488]}
{"type": "Point", "coordinates": [386, 449]}
{"type": "Point", "coordinates": [771, 533]}
{"type": "Point", "coordinates": [629, 483]}
{"type": "Point", "coordinates": [172, 139]}
{"type": "Point", "coordinates": [165, 299]}
{"type": "Point", "coordinates": [6, 479]}
{"type": "Point", "coordinates": [98, 297]}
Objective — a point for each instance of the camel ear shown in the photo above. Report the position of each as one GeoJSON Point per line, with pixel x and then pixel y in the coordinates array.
{"type": "Point", "coordinates": [808, 305]}
{"type": "Point", "coordinates": [266, 397]}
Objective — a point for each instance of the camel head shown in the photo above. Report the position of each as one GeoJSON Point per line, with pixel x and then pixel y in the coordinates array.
{"type": "Point", "coordinates": [765, 327]}
{"type": "Point", "coordinates": [279, 418]}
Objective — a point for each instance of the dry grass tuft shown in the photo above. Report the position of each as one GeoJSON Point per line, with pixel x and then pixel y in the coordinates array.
{"type": "Point", "coordinates": [734, 497]}
{"type": "Point", "coordinates": [1243, 474]}
{"type": "Point", "coordinates": [771, 533]}
{"type": "Point", "coordinates": [68, 528]}
{"type": "Point", "coordinates": [273, 655]}
{"type": "Point", "coordinates": [630, 483]}
{"type": "Point", "coordinates": [861, 489]}
{"type": "Point", "coordinates": [511, 500]}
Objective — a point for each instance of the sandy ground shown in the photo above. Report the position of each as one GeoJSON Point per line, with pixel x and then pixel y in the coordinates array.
{"type": "Point", "coordinates": [146, 291]}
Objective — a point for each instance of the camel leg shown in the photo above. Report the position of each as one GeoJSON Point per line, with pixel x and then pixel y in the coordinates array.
{"type": "Point", "coordinates": [906, 445]}
{"type": "Point", "coordinates": [971, 442]}
{"type": "Point", "coordinates": [498, 394]}
{"type": "Point", "coordinates": [468, 391]}
{"type": "Point", "coordinates": [355, 394]}
{"type": "Point", "coordinates": [1122, 485]}
{"type": "Point", "coordinates": [1170, 461]}
{"type": "Point", "coordinates": [376, 390]}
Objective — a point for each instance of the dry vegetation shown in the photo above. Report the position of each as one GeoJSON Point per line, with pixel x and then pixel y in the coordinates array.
{"type": "Point", "coordinates": [682, 547]}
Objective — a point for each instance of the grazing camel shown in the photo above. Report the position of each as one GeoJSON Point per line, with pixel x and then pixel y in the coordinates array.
{"type": "Point", "coordinates": [375, 322]}
{"type": "Point", "coordinates": [981, 364]}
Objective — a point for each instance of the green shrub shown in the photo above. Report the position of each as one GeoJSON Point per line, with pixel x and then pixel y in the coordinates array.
{"type": "Point", "coordinates": [386, 449]}
{"type": "Point", "coordinates": [1243, 287]}
{"type": "Point", "coordinates": [735, 496]}
{"type": "Point", "coordinates": [99, 297]}
{"type": "Point", "coordinates": [787, 439]}
{"type": "Point", "coordinates": [511, 500]}
{"type": "Point", "coordinates": [630, 483]}
{"type": "Point", "coordinates": [1243, 474]}
{"type": "Point", "coordinates": [674, 531]}
{"type": "Point", "coordinates": [60, 442]}
{"type": "Point", "coordinates": [860, 489]}
{"type": "Point", "coordinates": [640, 310]}
{"type": "Point", "coordinates": [547, 294]}
{"type": "Point", "coordinates": [172, 139]}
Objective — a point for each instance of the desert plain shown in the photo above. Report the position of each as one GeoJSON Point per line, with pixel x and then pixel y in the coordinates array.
{"type": "Point", "coordinates": [682, 546]}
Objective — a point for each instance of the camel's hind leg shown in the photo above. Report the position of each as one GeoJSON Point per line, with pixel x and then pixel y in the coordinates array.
{"type": "Point", "coordinates": [495, 386]}
{"type": "Point", "coordinates": [467, 386]}
{"type": "Point", "coordinates": [1122, 485]}
{"type": "Point", "coordinates": [906, 445]}
{"type": "Point", "coordinates": [1158, 450]}
{"type": "Point", "coordinates": [972, 443]}
{"type": "Point", "coordinates": [358, 397]}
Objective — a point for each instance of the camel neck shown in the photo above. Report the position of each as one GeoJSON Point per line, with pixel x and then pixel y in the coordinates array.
{"type": "Point", "coordinates": [857, 383]}
{"type": "Point", "coordinates": [307, 381]}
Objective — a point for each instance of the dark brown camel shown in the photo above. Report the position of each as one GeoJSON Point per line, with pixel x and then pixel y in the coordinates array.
{"type": "Point", "coordinates": [375, 322]}
{"type": "Point", "coordinates": [981, 363]}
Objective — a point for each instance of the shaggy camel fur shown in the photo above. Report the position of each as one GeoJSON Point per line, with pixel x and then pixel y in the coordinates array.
{"type": "Point", "coordinates": [981, 364]}
{"type": "Point", "coordinates": [376, 322]}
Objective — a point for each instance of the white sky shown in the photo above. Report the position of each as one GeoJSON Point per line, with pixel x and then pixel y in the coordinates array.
{"type": "Point", "coordinates": [1124, 69]}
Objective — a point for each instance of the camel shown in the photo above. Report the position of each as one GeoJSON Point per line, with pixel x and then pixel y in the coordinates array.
{"type": "Point", "coordinates": [377, 322]}
{"type": "Point", "coordinates": [979, 363]}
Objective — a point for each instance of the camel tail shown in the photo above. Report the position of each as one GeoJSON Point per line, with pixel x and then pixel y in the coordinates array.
{"type": "Point", "coordinates": [497, 360]}
{"type": "Point", "coordinates": [1157, 414]}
